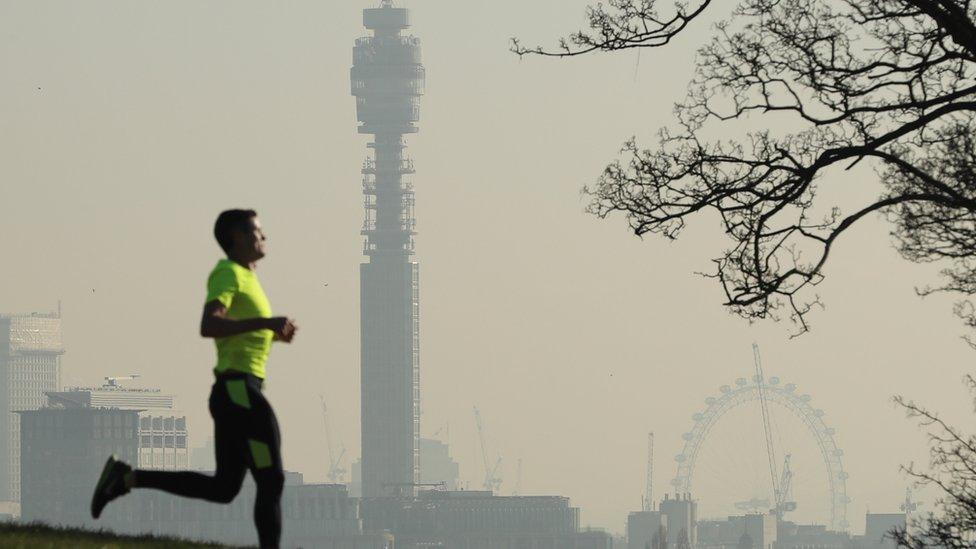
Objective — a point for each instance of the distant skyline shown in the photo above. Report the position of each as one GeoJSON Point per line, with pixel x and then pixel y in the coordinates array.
{"type": "Point", "coordinates": [129, 126]}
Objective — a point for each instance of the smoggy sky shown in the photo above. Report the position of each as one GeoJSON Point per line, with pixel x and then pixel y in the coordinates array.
{"type": "Point", "coordinates": [125, 127]}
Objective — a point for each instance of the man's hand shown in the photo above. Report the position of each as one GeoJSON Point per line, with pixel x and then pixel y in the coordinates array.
{"type": "Point", "coordinates": [283, 327]}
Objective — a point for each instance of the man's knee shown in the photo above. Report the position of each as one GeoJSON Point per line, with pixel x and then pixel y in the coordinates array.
{"type": "Point", "coordinates": [226, 488]}
{"type": "Point", "coordinates": [270, 481]}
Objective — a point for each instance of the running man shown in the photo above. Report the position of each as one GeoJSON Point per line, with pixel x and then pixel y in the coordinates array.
{"type": "Point", "coordinates": [246, 437]}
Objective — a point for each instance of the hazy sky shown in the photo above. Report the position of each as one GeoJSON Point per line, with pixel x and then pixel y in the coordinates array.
{"type": "Point", "coordinates": [126, 126]}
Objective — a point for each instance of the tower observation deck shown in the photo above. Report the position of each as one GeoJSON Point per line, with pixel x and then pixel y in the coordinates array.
{"type": "Point", "coordinates": [387, 81]}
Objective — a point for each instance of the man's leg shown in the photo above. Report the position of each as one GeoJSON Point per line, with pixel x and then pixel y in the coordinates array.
{"type": "Point", "coordinates": [222, 487]}
{"type": "Point", "coordinates": [231, 457]}
{"type": "Point", "coordinates": [264, 445]}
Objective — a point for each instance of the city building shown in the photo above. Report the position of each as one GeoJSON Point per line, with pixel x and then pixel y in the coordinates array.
{"type": "Point", "coordinates": [681, 514]}
{"type": "Point", "coordinates": [878, 528]}
{"type": "Point", "coordinates": [646, 529]}
{"type": "Point", "coordinates": [437, 466]}
{"type": "Point", "coordinates": [757, 531]}
{"type": "Point", "coordinates": [204, 458]}
{"type": "Point", "coordinates": [162, 430]}
{"type": "Point", "coordinates": [387, 81]}
{"type": "Point", "coordinates": [63, 451]}
{"type": "Point", "coordinates": [810, 536]}
{"type": "Point", "coordinates": [31, 347]}
{"type": "Point", "coordinates": [480, 520]}
{"type": "Point", "coordinates": [313, 515]}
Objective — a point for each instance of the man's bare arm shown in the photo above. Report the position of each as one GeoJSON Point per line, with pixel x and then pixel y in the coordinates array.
{"type": "Point", "coordinates": [215, 324]}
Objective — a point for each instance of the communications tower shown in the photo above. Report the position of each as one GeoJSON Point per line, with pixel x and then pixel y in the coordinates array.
{"type": "Point", "coordinates": [388, 80]}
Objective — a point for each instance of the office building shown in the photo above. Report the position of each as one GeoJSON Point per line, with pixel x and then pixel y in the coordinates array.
{"type": "Point", "coordinates": [162, 429]}
{"type": "Point", "coordinates": [63, 451]}
{"type": "Point", "coordinates": [681, 514]}
{"type": "Point", "coordinates": [31, 347]}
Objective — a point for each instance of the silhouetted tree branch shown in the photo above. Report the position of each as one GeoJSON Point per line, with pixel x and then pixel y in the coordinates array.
{"type": "Point", "coordinates": [890, 82]}
{"type": "Point", "coordinates": [952, 470]}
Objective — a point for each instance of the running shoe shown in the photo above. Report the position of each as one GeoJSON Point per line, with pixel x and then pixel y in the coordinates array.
{"type": "Point", "coordinates": [110, 485]}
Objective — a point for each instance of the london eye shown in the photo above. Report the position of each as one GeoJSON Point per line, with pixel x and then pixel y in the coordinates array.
{"type": "Point", "coordinates": [772, 482]}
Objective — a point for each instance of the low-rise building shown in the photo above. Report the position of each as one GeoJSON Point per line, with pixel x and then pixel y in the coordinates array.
{"type": "Point", "coordinates": [755, 530]}
{"type": "Point", "coordinates": [481, 520]}
{"type": "Point", "coordinates": [162, 429]}
{"type": "Point", "coordinates": [62, 452]}
{"type": "Point", "coordinates": [646, 530]}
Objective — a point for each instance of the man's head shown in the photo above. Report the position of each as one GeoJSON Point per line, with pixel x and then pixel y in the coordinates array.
{"type": "Point", "coordinates": [240, 236]}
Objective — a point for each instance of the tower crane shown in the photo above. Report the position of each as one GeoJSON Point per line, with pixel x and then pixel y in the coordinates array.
{"type": "Point", "coordinates": [518, 479]}
{"type": "Point", "coordinates": [909, 506]}
{"type": "Point", "coordinates": [786, 488]}
{"type": "Point", "coordinates": [770, 452]}
{"type": "Point", "coordinates": [649, 486]}
{"type": "Point", "coordinates": [336, 474]}
{"type": "Point", "coordinates": [492, 479]}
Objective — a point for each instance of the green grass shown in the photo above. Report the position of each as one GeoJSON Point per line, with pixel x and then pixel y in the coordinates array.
{"type": "Point", "coordinates": [41, 536]}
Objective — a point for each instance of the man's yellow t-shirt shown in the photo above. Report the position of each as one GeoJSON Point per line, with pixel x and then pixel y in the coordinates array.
{"type": "Point", "coordinates": [238, 289]}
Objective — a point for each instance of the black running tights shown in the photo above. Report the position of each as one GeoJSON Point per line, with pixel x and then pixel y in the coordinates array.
{"type": "Point", "coordinates": [246, 436]}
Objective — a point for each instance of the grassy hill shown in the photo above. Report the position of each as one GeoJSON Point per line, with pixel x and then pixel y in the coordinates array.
{"type": "Point", "coordinates": [41, 536]}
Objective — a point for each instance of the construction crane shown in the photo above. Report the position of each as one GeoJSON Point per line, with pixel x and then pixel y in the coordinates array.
{"type": "Point", "coordinates": [649, 485]}
{"type": "Point", "coordinates": [909, 506]}
{"type": "Point", "coordinates": [786, 488]}
{"type": "Point", "coordinates": [492, 479]}
{"type": "Point", "coordinates": [446, 429]}
{"type": "Point", "coordinates": [113, 381]}
{"type": "Point", "coordinates": [753, 505]}
{"type": "Point", "coordinates": [336, 474]}
{"type": "Point", "coordinates": [518, 479]}
{"type": "Point", "coordinates": [770, 452]}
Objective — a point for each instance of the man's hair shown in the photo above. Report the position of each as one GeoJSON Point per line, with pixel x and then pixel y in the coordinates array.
{"type": "Point", "coordinates": [228, 222]}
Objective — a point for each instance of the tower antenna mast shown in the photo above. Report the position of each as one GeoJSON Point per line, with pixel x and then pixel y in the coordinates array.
{"type": "Point", "coordinates": [387, 79]}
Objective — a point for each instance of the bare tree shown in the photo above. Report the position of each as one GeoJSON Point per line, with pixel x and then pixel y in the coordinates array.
{"type": "Point", "coordinates": [886, 81]}
{"type": "Point", "coordinates": [952, 470]}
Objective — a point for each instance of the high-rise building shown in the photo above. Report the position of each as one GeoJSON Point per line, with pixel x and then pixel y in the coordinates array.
{"type": "Point", "coordinates": [387, 81]}
{"type": "Point", "coordinates": [681, 513]}
{"type": "Point", "coordinates": [162, 429]}
{"type": "Point", "coordinates": [30, 365]}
